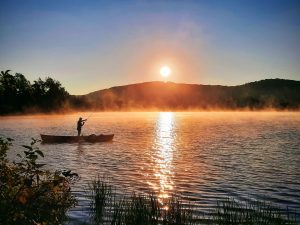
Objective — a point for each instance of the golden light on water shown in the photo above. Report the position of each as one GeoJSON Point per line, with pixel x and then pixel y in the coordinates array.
{"type": "Point", "coordinates": [163, 157]}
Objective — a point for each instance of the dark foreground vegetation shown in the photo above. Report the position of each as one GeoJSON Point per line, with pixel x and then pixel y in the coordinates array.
{"type": "Point", "coordinates": [109, 208]}
{"type": "Point", "coordinates": [30, 194]}
{"type": "Point", "coordinates": [18, 95]}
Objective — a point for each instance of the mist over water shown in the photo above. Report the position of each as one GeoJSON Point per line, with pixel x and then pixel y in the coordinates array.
{"type": "Point", "coordinates": [205, 156]}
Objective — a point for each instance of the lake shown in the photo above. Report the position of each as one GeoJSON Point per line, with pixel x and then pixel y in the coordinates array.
{"type": "Point", "coordinates": [204, 156]}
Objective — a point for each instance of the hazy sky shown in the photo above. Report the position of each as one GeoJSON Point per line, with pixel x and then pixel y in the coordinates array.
{"type": "Point", "coordinates": [90, 45]}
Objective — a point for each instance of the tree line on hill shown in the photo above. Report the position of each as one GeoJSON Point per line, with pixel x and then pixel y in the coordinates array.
{"type": "Point", "coordinates": [275, 94]}
{"type": "Point", "coordinates": [19, 95]}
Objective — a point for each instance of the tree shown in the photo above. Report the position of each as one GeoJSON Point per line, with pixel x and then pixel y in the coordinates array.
{"type": "Point", "coordinates": [17, 94]}
{"type": "Point", "coordinates": [7, 92]}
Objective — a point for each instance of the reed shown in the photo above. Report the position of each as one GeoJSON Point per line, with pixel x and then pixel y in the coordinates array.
{"type": "Point", "coordinates": [135, 209]}
{"type": "Point", "coordinates": [107, 207]}
{"type": "Point", "coordinates": [101, 196]}
{"type": "Point", "coordinates": [255, 212]}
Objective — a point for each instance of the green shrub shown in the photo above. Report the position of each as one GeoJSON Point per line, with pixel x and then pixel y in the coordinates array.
{"type": "Point", "coordinates": [30, 194]}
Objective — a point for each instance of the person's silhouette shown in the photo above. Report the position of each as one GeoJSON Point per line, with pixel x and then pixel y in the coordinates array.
{"type": "Point", "coordinates": [80, 124]}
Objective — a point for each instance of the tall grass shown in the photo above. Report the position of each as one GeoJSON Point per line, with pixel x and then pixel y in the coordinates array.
{"type": "Point", "coordinates": [145, 209]}
{"type": "Point", "coordinates": [101, 195]}
{"type": "Point", "coordinates": [232, 212]}
{"type": "Point", "coordinates": [136, 209]}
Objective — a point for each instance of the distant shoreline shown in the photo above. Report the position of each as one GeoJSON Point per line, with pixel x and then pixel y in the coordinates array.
{"type": "Point", "coordinates": [18, 96]}
{"type": "Point", "coordinates": [149, 111]}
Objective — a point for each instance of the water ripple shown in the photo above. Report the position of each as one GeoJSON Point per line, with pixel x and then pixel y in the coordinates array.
{"type": "Point", "coordinates": [204, 156]}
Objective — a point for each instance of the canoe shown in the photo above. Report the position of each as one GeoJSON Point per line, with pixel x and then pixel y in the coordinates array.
{"type": "Point", "coordinates": [71, 139]}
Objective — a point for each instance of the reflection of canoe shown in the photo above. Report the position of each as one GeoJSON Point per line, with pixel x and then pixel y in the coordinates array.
{"type": "Point", "coordinates": [66, 139]}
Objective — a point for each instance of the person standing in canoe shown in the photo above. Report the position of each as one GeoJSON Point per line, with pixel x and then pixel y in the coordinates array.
{"type": "Point", "coordinates": [80, 124]}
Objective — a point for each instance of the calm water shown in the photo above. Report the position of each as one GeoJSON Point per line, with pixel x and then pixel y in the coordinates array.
{"type": "Point", "coordinates": [204, 156]}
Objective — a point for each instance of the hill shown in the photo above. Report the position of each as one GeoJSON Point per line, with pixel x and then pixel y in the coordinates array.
{"type": "Point", "coordinates": [18, 96]}
{"type": "Point", "coordinates": [270, 93]}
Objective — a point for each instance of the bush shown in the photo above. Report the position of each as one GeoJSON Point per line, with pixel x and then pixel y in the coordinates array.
{"type": "Point", "coordinates": [30, 194]}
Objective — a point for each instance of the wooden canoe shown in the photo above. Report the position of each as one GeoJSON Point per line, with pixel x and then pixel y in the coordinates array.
{"type": "Point", "coordinates": [71, 139]}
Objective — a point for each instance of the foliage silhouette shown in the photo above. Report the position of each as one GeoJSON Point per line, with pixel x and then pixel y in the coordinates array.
{"type": "Point", "coordinates": [30, 194]}
{"type": "Point", "coordinates": [17, 94]}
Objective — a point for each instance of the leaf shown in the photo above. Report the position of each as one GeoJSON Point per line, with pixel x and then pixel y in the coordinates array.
{"type": "Point", "coordinates": [19, 155]}
{"type": "Point", "coordinates": [33, 157]}
{"type": "Point", "coordinates": [10, 139]}
{"type": "Point", "coordinates": [39, 165]}
{"type": "Point", "coordinates": [66, 173]}
{"type": "Point", "coordinates": [39, 152]}
{"type": "Point", "coordinates": [74, 175]}
{"type": "Point", "coordinates": [26, 146]}
{"type": "Point", "coordinates": [69, 174]}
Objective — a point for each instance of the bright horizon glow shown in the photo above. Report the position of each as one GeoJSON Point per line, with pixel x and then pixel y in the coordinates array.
{"type": "Point", "coordinates": [94, 45]}
{"type": "Point", "coordinates": [165, 71]}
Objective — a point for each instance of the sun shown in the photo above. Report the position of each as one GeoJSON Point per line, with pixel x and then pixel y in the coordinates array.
{"type": "Point", "coordinates": [165, 71]}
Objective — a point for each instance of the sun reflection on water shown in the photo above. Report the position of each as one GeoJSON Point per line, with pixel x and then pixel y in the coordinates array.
{"type": "Point", "coordinates": [163, 155]}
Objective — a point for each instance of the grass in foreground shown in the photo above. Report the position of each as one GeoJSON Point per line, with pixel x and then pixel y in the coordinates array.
{"type": "Point", "coordinates": [251, 212]}
{"type": "Point", "coordinates": [109, 208]}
